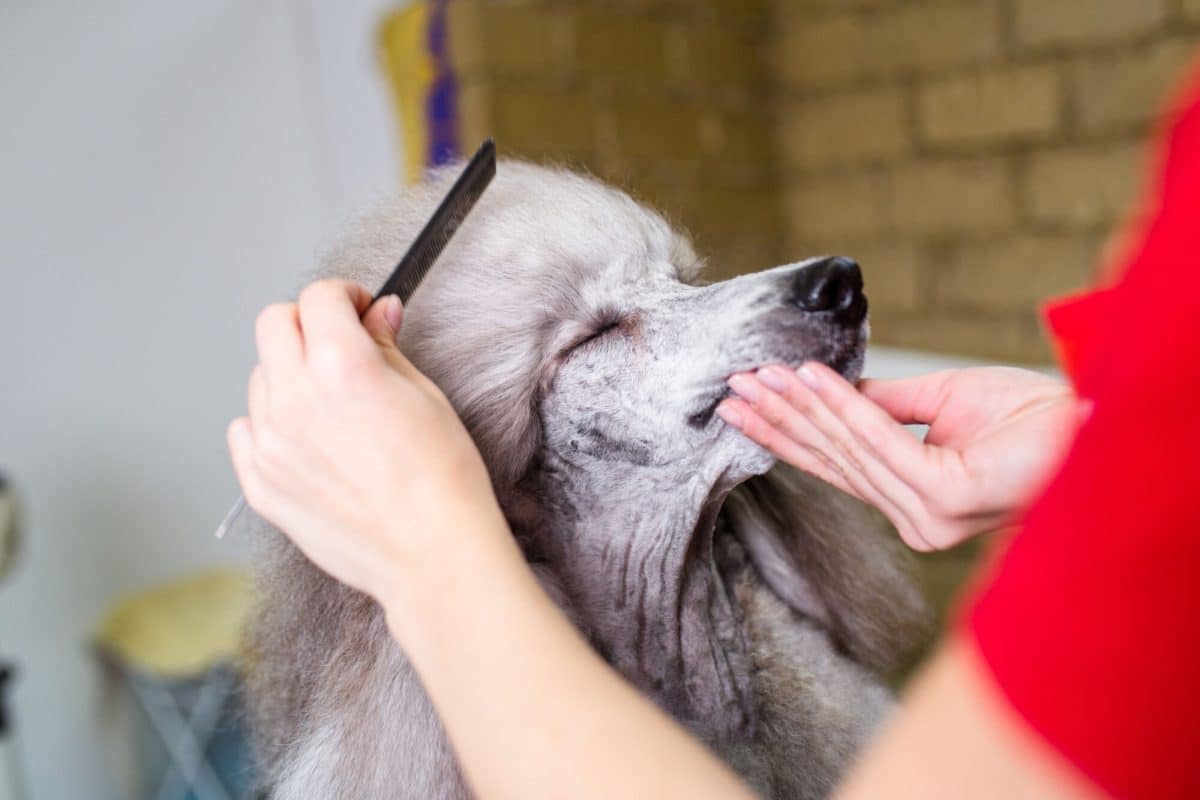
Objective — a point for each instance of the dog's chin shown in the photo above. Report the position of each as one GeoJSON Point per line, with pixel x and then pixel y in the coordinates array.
{"type": "Point", "coordinates": [850, 365]}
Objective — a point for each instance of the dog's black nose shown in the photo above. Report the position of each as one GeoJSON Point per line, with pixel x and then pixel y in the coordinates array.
{"type": "Point", "coordinates": [834, 285]}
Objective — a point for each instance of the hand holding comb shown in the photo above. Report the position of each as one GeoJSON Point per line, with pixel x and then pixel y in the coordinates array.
{"type": "Point", "coordinates": [425, 249]}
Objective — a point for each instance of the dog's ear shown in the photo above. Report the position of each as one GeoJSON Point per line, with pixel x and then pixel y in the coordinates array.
{"type": "Point", "coordinates": [834, 559]}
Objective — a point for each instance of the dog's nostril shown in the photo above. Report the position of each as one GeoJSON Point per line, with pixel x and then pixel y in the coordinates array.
{"type": "Point", "coordinates": [833, 284]}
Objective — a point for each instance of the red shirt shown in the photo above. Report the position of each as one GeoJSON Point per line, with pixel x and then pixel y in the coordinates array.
{"type": "Point", "coordinates": [1091, 623]}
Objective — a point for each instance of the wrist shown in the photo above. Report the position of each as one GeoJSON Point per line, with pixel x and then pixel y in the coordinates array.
{"type": "Point", "coordinates": [457, 561]}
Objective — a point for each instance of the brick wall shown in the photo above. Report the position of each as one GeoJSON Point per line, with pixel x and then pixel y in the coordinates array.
{"type": "Point", "coordinates": [663, 97]}
{"type": "Point", "coordinates": [974, 155]}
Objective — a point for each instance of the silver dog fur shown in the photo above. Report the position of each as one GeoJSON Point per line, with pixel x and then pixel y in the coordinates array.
{"type": "Point", "coordinates": [570, 328]}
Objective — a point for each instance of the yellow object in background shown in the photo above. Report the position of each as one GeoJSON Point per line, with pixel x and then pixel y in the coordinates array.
{"type": "Point", "coordinates": [414, 48]}
{"type": "Point", "coordinates": [181, 629]}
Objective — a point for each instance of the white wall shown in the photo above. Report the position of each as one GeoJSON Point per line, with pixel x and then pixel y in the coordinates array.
{"type": "Point", "coordinates": [165, 170]}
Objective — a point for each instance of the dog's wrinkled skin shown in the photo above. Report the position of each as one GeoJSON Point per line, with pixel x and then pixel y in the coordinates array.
{"type": "Point", "coordinates": [568, 327]}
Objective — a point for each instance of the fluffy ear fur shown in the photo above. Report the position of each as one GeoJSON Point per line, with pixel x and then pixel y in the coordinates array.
{"type": "Point", "coordinates": [833, 559]}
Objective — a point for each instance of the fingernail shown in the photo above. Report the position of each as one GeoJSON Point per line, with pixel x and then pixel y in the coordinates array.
{"type": "Point", "coordinates": [771, 378]}
{"type": "Point", "coordinates": [745, 386]}
{"type": "Point", "coordinates": [731, 417]}
{"type": "Point", "coordinates": [393, 311]}
{"type": "Point", "coordinates": [809, 377]}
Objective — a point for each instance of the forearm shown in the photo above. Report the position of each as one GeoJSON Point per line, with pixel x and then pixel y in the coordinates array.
{"type": "Point", "coordinates": [530, 710]}
{"type": "Point", "coordinates": [955, 736]}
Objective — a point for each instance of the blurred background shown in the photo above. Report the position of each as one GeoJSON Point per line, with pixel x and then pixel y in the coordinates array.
{"type": "Point", "coordinates": [166, 169]}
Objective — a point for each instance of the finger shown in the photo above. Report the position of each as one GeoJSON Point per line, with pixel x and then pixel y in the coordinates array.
{"type": "Point", "coordinates": [784, 447]}
{"type": "Point", "coordinates": [873, 428]}
{"type": "Point", "coordinates": [257, 400]}
{"type": "Point", "coordinates": [857, 470]}
{"type": "Point", "coordinates": [740, 415]}
{"type": "Point", "coordinates": [784, 399]}
{"type": "Point", "coordinates": [808, 449]}
{"type": "Point", "coordinates": [278, 338]}
{"type": "Point", "coordinates": [910, 401]}
{"type": "Point", "coordinates": [330, 313]}
{"type": "Point", "coordinates": [240, 439]}
{"type": "Point", "coordinates": [770, 393]}
{"type": "Point", "coordinates": [383, 319]}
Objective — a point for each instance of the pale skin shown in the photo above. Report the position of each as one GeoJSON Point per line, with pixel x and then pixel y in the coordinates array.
{"type": "Point", "coordinates": [344, 434]}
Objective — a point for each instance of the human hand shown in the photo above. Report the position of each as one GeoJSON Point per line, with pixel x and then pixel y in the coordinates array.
{"type": "Point", "coordinates": [348, 449]}
{"type": "Point", "coordinates": [995, 436]}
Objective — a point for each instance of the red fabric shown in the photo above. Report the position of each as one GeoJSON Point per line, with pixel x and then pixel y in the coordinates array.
{"type": "Point", "coordinates": [1090, 623]}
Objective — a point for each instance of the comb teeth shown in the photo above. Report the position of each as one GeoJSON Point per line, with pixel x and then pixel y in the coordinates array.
{"type": "Point", "coordinates": [441, 226]}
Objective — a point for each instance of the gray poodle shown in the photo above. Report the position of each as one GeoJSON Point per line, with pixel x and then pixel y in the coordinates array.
{"type": "Point", "coordinates": [570, 328]}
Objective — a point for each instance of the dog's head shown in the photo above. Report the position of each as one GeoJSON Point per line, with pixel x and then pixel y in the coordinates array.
{"type": "Point", "coordinates": [562, 301]}
{"type": "Point", "coordinates": [564, 318]}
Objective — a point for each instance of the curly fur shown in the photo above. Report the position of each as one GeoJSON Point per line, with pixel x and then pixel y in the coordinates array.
{"type": "Point", "coordinates": [569, 327]}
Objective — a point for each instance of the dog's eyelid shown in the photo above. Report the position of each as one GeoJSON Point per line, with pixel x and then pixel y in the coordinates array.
{"type": "Point", "coordinates": [606, 327]}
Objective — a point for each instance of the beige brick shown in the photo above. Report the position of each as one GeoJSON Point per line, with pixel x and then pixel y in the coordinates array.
{"type": "Point", "coordinates": [1013, 104]}
{"type": "Point", "coordinates": [722, 55]}
{"type": "Point", "coordinates": [1008, 337]}
{"type": "Point", "coordinates": [621, 47]}
{"type": "Point", "coordinates": [799, 11]}
{"type": "Point", "coordinates": [736, 229]}
{"type": "Point", "coordinates": [731, 214]}
{"type": "Point", "coordinates": [667, 132]}
{"type": "Point", "coordinates": [844, 129]}
{"type": "Point", "coordinates": [677, 199]}
{"type": "Point", "coordinates": [891, 274]}
{"type": "Point", "coordinates": [488, 39]}
{"type": "Point", "coordinates": [728, 262]}
{"type": "Point", "coordinates": [740, 136]}
{"type": "Point", "coordinates": [931, 36]}
{"type": "Point", "coordinates": [1083, 187]}
{"type": "Point", "coordinates": [475, 110]}
{"type": "Point", "coordinates": [1014, 274]}
{"type": "Point", "coordinates": [1124, 92]}
{"type": "Point", "coordinates": [951, 196]}
{"type": "Point", "coordinates": [741, 13]}
{"type": "Point", "coordinates": [850, 205]}
{"type": "Point", "coordinates": [525, 40]}
{"type": "Point", "coordinates": [818, 53]}
{"type": "Point", "coordinates": [537, 123]}
{"type": "Point", "coordinates": [1053, 22]}
{"type": "Point", "coordinates": [842, 48]}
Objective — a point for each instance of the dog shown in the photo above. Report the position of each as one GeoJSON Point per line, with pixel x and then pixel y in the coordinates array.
{"type": "Point", "coordinates": [571, 329]}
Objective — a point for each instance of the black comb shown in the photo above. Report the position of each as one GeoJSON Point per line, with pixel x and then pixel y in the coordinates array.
{"type": "Point", "coordinates": [441, 226]}
{"type": "Point", "coordinates": [424, 250]}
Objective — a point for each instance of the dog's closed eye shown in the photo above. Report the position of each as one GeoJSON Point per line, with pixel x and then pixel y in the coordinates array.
{"type": "Point", "coordinates": [606, 327]}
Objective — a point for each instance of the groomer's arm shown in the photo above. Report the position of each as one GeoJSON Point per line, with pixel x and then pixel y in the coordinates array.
{"type": "Point", "coordinates": [362, 462]}
{"type": "Point", "coordinates": [955, 736]}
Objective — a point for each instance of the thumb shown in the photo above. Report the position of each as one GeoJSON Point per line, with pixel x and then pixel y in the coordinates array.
{"type": "Point", "coordinates": [382, 320]}
{"type": "Point", "coordinates": [915, 400]}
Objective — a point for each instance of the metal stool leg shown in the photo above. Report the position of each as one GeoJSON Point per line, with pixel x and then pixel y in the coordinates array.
{"type": "Point", "coordinates": [185, 738]}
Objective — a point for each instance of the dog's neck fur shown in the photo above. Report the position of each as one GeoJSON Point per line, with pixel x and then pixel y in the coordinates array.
{"type": "Point", "coordinates": [675, 636]}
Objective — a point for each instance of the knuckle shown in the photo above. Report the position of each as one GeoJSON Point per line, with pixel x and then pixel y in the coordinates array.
{"type": "Point", "coordinates": [270, 452]}
{"type": "Point", "coordinates": [319, 289]}
{"type": "Point", "coordinates": [330, 360]}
